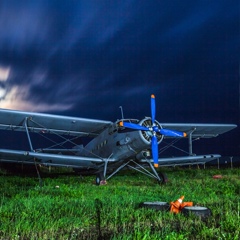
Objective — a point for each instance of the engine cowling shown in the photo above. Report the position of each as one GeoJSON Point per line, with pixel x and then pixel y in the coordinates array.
{"type": "Point", "coordinates": [146, 136]}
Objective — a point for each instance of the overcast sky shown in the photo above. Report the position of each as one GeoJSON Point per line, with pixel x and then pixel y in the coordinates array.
{"type": "Point", "coordinates": [86, 58]}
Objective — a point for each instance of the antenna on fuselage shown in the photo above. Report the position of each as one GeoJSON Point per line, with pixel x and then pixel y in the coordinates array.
{"type": "Point", "coordinates": [121, 111]}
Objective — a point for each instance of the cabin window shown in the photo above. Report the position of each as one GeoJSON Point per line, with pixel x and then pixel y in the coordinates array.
{"type": "Point", "coordinates": [102, 144]}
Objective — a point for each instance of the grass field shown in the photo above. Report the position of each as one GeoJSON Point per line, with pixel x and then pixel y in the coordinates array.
{"type": "Point", "coordinates": [72, 207]}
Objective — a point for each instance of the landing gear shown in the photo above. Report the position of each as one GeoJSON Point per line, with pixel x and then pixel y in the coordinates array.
{"type": "Point", "coordinates": [100, 179]}
{"type": "Point", "coordinates": [131, 164]}
{"type": "Point", "coordinates": [163, 178]}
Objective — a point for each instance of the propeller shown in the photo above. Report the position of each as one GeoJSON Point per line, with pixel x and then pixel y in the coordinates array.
{"type": "Point", "coordinates": [154, 129]}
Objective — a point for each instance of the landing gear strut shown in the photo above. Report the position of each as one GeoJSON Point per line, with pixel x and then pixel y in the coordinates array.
{"type": "Point", "coordinates": [101, 178]}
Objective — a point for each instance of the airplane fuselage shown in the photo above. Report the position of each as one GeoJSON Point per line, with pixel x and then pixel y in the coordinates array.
{"type": "Point", "coordinates": [116, 142]}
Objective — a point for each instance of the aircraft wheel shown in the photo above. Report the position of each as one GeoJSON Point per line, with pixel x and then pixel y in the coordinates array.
{"type": "Point", "coordinates": [100, 180]}
{"type": "Point", "coordinates": [202, 212]}
{"type": "Point", "coordinates": [163, 178]}
{"type": "Point", "coordinates": [163, 206]}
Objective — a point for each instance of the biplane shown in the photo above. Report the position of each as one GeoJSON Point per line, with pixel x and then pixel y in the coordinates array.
{"type": "Point", "coordinates": [110, 146]}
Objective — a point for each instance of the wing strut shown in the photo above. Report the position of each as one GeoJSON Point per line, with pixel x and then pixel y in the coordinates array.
{"type": "Point", "coordinates": [38, 173]}
{"type": "Point", "coordinates": [190, 142]}
{"type": "Point", "coordinates": [31, 147]}
{"type": "Point", "coordinates": [29, 139]}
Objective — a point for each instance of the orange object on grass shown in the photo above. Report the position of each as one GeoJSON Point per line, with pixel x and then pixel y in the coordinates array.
{"type": "Point", "coordinates": [217, 176]}
{"type": "Point", "coordinates": [176, 206]}
{"type": "Point", "coordinates": [186, 204]}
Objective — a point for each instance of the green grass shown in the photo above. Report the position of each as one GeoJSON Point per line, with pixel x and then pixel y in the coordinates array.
{"type": "Point", "coordinates": [78, 209]}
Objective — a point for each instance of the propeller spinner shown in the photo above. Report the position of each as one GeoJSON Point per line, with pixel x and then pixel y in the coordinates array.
{"type": "Point", "coordinates": [154, 129]}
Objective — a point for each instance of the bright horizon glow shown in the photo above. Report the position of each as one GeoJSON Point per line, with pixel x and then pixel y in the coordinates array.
{"type": "Point", "coordinates": [15, 99]}
{"type": "Point", "coordinates": [4, 73]}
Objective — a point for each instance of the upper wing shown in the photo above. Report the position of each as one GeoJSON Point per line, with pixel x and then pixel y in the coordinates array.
{"type": "Point", "coordinates": [47, 123]}
{"type": "Point", "coordinates": [200, 129]}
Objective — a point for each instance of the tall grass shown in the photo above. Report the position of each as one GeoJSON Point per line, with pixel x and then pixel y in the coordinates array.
{"type": "Point", "coordinates": [72, 207]}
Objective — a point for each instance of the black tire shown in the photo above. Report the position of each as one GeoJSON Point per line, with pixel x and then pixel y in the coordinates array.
{"type": "Point", "coordinates": [162, 206]}
{"type": "Point", "coordinates": [163, 177]}
{"type": "Point", "coordinates": [99, 179]}
{"type": "Point", "coordinates": [202, 212]}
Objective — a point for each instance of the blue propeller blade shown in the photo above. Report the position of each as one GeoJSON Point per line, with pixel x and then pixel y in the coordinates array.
{"type": "Point", "coordinates": [155, 150]}
{"type": "Point", "coordinates": [153, 108]}
{"type": "Point", "coordinates": [154, 129]}
{"type": "Point", "coordinates": [133, 126]}
{"type": "Point", "coordinates": [172, 133]}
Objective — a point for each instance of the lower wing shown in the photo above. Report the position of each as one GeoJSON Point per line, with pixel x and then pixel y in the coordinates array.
{"type": "Point", "coordinates": [186, 160]}
{"type": "Point", "coordinates": [48, 159]}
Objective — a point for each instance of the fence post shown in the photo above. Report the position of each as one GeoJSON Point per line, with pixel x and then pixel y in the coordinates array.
{"type": "Point", "coordinates": [231, 162]}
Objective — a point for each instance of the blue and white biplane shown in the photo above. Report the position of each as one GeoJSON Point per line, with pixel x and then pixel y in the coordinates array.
{"type": "Point", "coordinates": [112, 146]}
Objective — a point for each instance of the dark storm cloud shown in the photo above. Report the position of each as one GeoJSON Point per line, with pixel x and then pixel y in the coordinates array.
{"type": "Point", "coordinates": [87, 58]}
{"type": "Point", "coordinates": [90, 57]}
